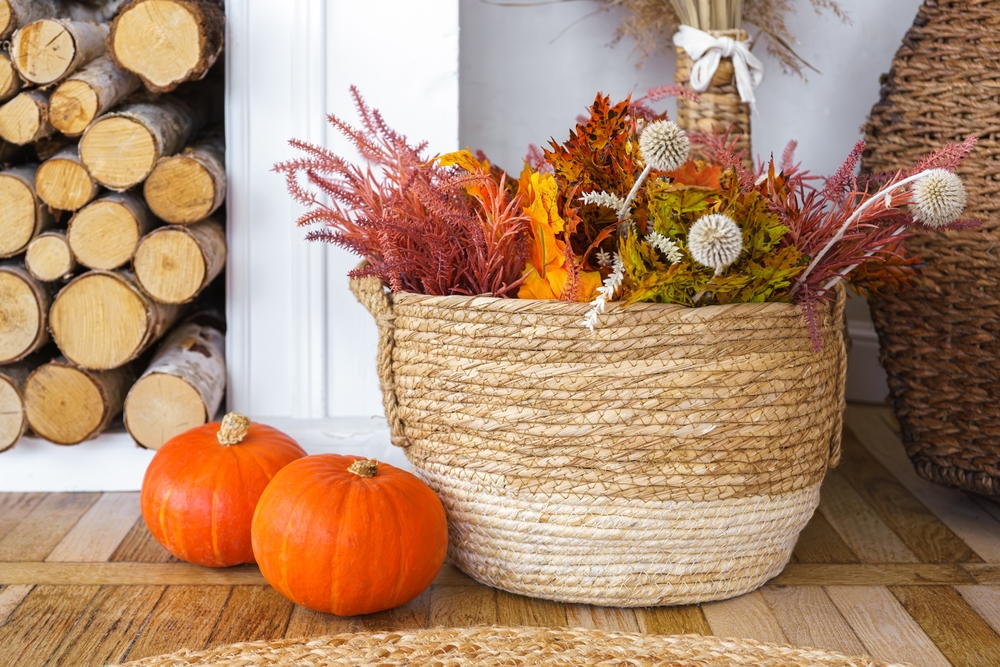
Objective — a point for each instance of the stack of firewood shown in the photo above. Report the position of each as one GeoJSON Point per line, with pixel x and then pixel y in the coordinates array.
{"type": "Point", "coordinates": [111, 181]}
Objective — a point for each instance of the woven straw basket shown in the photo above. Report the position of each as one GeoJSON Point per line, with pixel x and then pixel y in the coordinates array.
{"type": "Point", "coordinates": [719, 108]}
{"type": "Point", "coordinates": [941, 339]}
{"type": "Point", "coordinates": [672, 457]}
{"type": "Point", "coordinates": [503, 647]}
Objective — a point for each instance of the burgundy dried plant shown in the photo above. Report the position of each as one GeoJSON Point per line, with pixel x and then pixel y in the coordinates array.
{"type": "Point", "coordinates": [421, 226]}
{"type": "Point", "coordinates": [853, 221]}
{"type": "Point", "coordinates": [857, 223]}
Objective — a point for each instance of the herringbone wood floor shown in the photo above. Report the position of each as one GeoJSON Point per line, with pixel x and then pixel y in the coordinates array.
{"type": "Point", "coordinates": [890, 565]}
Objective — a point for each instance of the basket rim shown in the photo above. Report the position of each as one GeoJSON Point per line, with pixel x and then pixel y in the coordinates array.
{"type": "Point", "coordinates": [581, 308]}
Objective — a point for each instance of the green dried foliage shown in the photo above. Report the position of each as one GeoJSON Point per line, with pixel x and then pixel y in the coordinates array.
{"type": "Point", "coordinates": [763, 272]}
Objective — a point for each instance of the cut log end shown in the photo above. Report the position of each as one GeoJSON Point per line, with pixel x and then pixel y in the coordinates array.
{"type": "Point", "coordinates": [10, 82]}
{"type": "Point", "coordinates": [49, 258]}
{"type": "Point", "coordinates": [73, 106]}
{"type": "Point", "coordinates": [183, 190]}
{"type": "Point", "coordinates": [98, 321]}
{"type": "Point", "coordinates": [102, 321]}
{"type": "Point", "coordinates": [68, 405]}
{"type": "Point", "coordinates": [167, 42]}
{"type": "Point", "coordinates": [21, 316]}
{"type": "Point", "coordinates": [49, 50]}
{"type": "Point", "coordinates": [6, 18]}
{"type": "Point", "coordinates": [170, 267]}
{"type": "Point", "coordinates": [63, 183]}
{"type": "Point", "coordinates": [174, 264]}
{"type": "Point", "coordinates": [161, 406]}
{"type": "Point", "coordinates": [119, 152]}
{"type": "Point", "coordinates": [104, 234]}
{"type": "Point", "coordinates": [89, 93]}
{"type": "Point", "coordinates": [44, 49]}
{"type": "Point", "coordinates": [24, 119]}
{"type": "Point", "coordinates": [12, 420]}
{"type": "Point", "coordinates": [183, 386]}
{"type": "Point", "coordinates": [17, 215]}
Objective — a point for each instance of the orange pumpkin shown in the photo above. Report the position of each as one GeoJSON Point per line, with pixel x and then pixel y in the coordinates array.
{"type": "Point", "coordinates": [201, 488]}
{"type": "Point", "coordinates": [349, 536]}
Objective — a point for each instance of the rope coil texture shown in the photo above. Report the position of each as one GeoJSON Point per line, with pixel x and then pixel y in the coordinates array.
{"type": "Point", "coordinates": [671, 457]}
{"type": "Point", "coordinates": [503, 647]}
{"type": "Point", "coordinates": [720, 107]}
{"type": "Point", "coordinates": [940, 339]}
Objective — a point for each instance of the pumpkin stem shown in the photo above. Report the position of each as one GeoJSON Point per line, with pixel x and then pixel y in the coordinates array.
{"type": "Point", "coordinates": [233, 429]}
{"type": "Point", "coordinates": [363, 468]}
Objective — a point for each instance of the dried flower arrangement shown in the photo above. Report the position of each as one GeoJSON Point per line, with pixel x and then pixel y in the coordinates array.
{"type": "Point", "coordinates": [620, 211]}
{"type": "Point", "coordinates": [652, 23]}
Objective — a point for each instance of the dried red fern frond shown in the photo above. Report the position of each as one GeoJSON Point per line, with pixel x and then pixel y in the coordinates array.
{"type": "Point", "coordinates": [409, 217]}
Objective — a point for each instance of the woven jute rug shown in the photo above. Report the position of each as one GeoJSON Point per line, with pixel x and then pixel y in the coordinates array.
{"type": "Point", "coordinates": [509, 647]}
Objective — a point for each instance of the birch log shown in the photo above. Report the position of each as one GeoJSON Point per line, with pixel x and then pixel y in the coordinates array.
{"type": "Point", "coordinates": [104, 233]}
{"type": "Point", "coordinates": [47, 51]}
{"type": "Point", "coordinates": [22, 215]}
{"type": "Point", "coordinates": [87, 94]}
{"type": "Point", "coordinates": [168, 42]}
{"type": "Point", "coordinates": [16, 13]}
{"type": "Point", "coordinates": [121, 148]}
{"type": "Point", "coordinates": [25, 119]}
{"type": "Point", "coordinates": [102, 320]}
{"type": "Point", "coordinates": [10, 82]}
{"type": "Point", "coordinates": [174, 264]}
{"type": "Point", "coordinates": [181, 389]}
{"type": "Point", "coordinates": [95, 11]}
{"type": "Point", "coordinates": [24, 308]}
{"type": "Point", "coordinates": [63, 181]}
{"type": "Point", "coordinates": [66, 404]}
{"type": "Point", "coordinates": [12, 419]}
{"type": "Point", "coordinates": [190, 186]}
{"type": "Point", "coordinates": [49, 258]}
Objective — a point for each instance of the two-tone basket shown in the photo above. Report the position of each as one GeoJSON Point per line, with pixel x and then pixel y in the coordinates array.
{"type": "Point", "coordinates": [671, 457]}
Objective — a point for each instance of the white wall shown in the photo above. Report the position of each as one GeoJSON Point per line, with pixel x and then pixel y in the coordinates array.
{"type": "Point", "coordinates": [300, 347]}
{"type": "Point", "coordinates": [526, 72]}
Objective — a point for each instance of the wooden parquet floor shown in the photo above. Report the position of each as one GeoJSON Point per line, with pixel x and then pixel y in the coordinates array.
{"type": "Point", "coordinates": [890, 565]}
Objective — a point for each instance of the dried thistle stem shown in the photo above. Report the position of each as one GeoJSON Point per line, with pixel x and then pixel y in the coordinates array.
{"type": "Point", "coordinates": [880, 195]}
{"type": "Point", "coordinates": [842, 275]}
{"type": "Point", "coordinates": [623, 211]}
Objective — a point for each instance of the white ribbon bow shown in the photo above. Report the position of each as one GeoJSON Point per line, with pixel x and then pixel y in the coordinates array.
{"type": "Point", "coordinates": [708, 51]}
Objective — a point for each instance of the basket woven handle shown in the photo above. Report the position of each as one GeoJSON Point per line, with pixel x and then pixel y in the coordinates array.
{"type": "Point", "coordinates": [370, 293]}
{"type": "Point", "coordinates": [840, 320]}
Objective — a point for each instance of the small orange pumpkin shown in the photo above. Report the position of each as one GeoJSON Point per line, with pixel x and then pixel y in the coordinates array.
{"type": "Point", "coordinates": [202, 487]}
{"type": "Point", "coordinates": [349, 536]}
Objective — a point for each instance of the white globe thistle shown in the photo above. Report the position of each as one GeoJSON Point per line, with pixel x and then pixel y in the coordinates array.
{"type": "Point", "coordinates": [716, 241]}
{"type": "Point", "coordinates": [664, 146]}
{"type": "Point", "coordinates": [938, 198]}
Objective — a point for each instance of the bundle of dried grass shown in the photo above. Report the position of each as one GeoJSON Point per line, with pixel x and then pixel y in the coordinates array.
{"type": "Point", "coordinates": [652, 23]}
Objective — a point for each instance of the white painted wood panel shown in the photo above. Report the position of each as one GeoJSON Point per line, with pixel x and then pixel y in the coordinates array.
{"type": "Point", "coordinates": [300, 347]}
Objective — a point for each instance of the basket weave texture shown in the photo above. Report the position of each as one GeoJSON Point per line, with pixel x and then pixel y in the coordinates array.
{"type": "Point", "coordinates": [940, 340]}
{"type": "Point", "coordinates": [503, 647]}
{"type": "Point", "coordinates": [719, 108]}
{"type": "Point", "coordinates": [671, 457]}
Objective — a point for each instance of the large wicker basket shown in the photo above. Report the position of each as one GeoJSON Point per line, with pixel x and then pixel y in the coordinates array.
{"type": "Point", "coordinates": [671, 457]}
{"type": "Point", "coordinates": [941, 339]}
